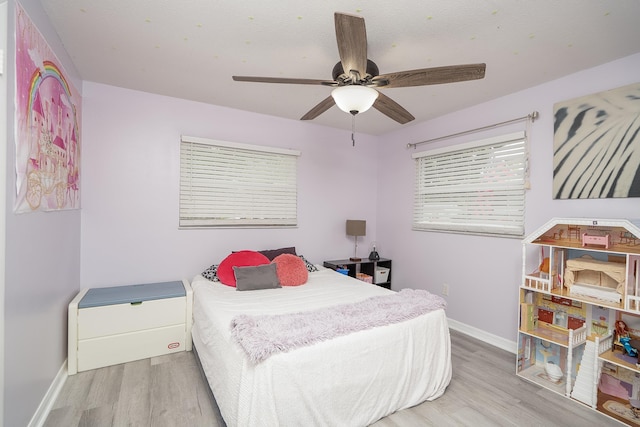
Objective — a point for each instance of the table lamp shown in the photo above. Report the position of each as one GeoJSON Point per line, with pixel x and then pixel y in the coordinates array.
{"type": "Point", "coordinates": [356, 227]}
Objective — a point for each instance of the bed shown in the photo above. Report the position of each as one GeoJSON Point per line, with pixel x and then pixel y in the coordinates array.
{"type": "Point", "coordinates": [353, 380]}
{"type": "Point", "coordinates": [593, 278]}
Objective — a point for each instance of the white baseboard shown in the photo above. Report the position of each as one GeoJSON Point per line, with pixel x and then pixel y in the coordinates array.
{"type": "Point", "coordinates": [484, 336]}
{"type": "Point", "coordinates": [49, 398]}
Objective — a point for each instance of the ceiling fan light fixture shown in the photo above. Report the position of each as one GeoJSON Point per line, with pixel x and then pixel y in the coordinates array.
{"type": "Point", "coordinates": [354, 98]}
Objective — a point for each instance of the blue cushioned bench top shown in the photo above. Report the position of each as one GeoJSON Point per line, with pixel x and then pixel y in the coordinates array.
{"type": "Point", "coordinates": [97, 297]}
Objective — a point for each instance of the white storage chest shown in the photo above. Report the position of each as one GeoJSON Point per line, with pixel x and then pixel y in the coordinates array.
{"type": "Point", "coordinates": [381, 275]}
{"type": "Point", "coordinates": [108, 326]}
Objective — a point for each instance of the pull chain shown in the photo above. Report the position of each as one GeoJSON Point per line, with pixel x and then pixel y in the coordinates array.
{"type": "Point", "coordinates": [353, 127]}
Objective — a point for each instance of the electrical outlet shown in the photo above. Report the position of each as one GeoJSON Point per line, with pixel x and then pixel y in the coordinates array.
{"type": "Point", "coordinates": [445, 289]}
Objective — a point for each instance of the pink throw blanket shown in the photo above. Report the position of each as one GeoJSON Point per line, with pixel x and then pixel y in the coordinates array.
{"type": "Point", "coordinates": [264, 335]}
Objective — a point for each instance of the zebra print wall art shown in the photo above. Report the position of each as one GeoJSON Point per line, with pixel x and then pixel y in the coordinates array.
{"type": "Point", "coordinates": [596, 145]}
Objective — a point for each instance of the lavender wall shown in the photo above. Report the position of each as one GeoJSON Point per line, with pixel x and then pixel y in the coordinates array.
{"type": "Point", "coordinates": [130, 197]}
{"type": "Point", "coordinates": [130, 182]}
{"type": "Point", "coordinates": [127, 228]}
{"type": "Point", "coordinates": [484, 273]}
{"type": "Point", "coordinates": [42, 267]}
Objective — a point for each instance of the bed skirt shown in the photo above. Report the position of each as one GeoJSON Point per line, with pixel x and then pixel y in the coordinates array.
{"type": "Point", "coordinates": [395, 370]}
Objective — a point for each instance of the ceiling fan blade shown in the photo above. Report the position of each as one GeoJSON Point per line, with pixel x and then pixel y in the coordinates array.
{"type": "Point", "coordinates": [433, 76]}
{"type": "Point", "coordinates": [351, 35]}
{"type": "Point", "coordinates": [319, 109]}
{"type": "Point", "coordinates": [284, 80]}
{"type": "Point", "coordinates": [392, 109]}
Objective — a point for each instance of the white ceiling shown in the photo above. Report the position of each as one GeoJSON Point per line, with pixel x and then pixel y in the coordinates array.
{"type": "Point", "coordinates": [190, 48]}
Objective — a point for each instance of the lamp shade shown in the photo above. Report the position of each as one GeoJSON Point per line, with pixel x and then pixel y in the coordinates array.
{"type": "Point", "coordinates": [356, 227]}
{"type": "Point", "coordinates": [354, 98]}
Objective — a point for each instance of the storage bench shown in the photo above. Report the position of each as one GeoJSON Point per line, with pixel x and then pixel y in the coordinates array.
{"type": "Point", "coordinates": [108, 326]}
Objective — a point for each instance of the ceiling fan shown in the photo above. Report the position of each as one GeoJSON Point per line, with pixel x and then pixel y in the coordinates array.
{"type": "Point", "coordinates": [355, 77]}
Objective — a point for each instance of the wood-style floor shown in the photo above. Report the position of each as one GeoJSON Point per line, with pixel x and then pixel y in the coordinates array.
{"type": "Point", "coordinates": [170, 391]}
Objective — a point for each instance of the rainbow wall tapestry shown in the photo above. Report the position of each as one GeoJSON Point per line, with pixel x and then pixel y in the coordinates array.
{"type": "Point", "coordinates": [47, 126]}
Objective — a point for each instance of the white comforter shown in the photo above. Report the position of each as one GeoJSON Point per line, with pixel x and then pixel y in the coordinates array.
{"type": "Point", "coordinates": [352, 380]}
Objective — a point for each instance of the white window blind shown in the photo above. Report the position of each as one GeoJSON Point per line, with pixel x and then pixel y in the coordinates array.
{"type": "Point", "coordinates": [227, 184]}
{"type": "Point", "coordinates": [476, 188]}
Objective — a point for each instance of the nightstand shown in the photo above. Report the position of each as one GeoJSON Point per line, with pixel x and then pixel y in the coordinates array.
{"type": "Point", "coordinates": [108, 326]}
{"type": "Point", "coordinates": [367, 267]}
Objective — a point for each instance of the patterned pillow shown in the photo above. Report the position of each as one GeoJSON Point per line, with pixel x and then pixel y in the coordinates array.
{"type": "Point", "coordinates": [310, 267]}
{"type": "Point", "coordinates": [211, 273]}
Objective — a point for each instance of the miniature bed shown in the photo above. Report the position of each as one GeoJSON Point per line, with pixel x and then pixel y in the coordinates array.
{"type": "Point", "coordinates": [353, 379]}
{"type": "Point", "coordinates": [597, 279]}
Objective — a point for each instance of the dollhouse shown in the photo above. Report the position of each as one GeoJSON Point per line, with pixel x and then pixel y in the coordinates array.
{"type": "Point", "coordinates": [580, 281]}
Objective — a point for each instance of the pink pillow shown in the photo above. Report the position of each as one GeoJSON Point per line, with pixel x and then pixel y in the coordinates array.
{"type": "Point", "coordinates": [292, 270]}
{"type": "Point", "coordinates": [238, 259]}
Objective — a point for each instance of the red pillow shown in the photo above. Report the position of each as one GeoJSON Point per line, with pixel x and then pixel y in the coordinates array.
{"type": "Point", "coordinates": [292, 271]}
{"type": "Point", "coordinates": [238, 259]}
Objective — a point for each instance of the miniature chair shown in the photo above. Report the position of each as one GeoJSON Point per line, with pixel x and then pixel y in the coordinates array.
{"type": "Point", "coordinates": [573, 229]}
{"type": "Point", "coordinates": [627, 238]}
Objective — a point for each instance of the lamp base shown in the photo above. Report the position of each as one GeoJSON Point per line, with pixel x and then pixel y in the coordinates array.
{"type": "Point", "coordinates": [355, 259]}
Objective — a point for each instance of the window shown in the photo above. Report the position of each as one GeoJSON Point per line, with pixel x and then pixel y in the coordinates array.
{"type": "Point", "coordinates": [476, 188]}
{"type": "Point", "coordinates": [225, 184]}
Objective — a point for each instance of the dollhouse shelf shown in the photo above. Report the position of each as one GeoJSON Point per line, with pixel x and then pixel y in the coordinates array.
{"type": "Point", "coordinates": [563, 337]}
{"type": "Point", "coordinates": [564, 293]}
{"type": "Point", "coordinates": [611, 357]}
{"type": "Point", "coordinates": [579, 233]}
{"type": "Point", "coordinates": [579, 278]}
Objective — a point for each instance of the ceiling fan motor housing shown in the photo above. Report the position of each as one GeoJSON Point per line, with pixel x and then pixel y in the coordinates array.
{"type": "Point", "coordinates": [372, 71]}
